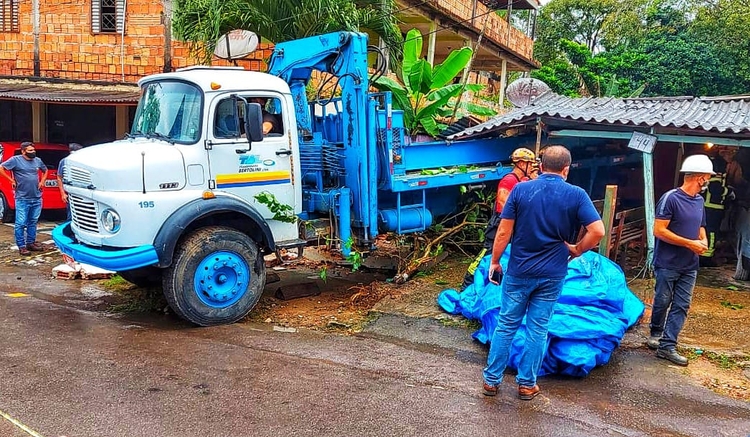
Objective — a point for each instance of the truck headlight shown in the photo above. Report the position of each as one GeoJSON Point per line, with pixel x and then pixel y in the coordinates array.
{"type": "Point", "coordinates": [111, 220]}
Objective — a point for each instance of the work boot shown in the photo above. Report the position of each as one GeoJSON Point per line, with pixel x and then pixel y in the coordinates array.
{"type": "Point", "coordinates": [24, 251]}
{"type": "Point", "coordinates": [528, 393]}
{"type": "Point", "coordinates": [35, 247]}
{"type": "Point", "coordinates": [490, 390]}
{"type": "Point", "coordinates": [653, 342]}
{"type": "Point", "coordinates": [673, 356]}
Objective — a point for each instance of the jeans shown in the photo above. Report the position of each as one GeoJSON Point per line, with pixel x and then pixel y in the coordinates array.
{"type": "Point", "coordinates": [672, 296]}
{"type": "Point", "coordinates": [27, 215]}
{"type": "Point", "coordinates": [535, 298]}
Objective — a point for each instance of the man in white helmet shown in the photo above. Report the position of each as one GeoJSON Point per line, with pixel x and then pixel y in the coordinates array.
{"type": "Point", "coordinates": [680, 231]}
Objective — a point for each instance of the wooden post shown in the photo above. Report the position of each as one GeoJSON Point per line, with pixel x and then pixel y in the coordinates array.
{"type": "Point", "coordinates": [538, 136]}
{"type": "Point", "coordinates": [649, 204]}
{"type": "Point", "coordinates": [608, 217]}
{"type": "Point", "coordinates": [503, 82]}
{"type": "Point", "coordinates": [122, 121]}
{"type": "Point", "coordinates": [431, 43]}
{"type": "Point", "coordinates": [39, 122]}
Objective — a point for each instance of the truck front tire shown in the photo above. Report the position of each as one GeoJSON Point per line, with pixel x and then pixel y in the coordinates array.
{"type": "Point", "coordinates": [216, 277]}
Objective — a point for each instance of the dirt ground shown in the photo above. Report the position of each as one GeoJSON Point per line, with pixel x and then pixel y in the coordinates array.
{"type": "Point", "coordinates": [716, 335]}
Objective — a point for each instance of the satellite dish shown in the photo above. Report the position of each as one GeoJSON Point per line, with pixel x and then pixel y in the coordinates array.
{"type": "Point", "coordinates": [522, 92]}
{"type": "Point", "coordinates": [236, 44]}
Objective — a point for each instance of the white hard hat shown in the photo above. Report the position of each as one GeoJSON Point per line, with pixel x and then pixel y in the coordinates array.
{"type": "Point", "coordinates": [697, 164]}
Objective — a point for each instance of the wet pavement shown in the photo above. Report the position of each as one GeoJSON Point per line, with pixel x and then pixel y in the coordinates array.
{"type": "Point", "coordinates": [77, 373]}
{"type": "Point", "coordinates": [68, 369]}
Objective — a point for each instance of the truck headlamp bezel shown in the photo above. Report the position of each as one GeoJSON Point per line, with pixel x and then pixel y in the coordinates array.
{"type": "Point", "coordinates": [111, 220]}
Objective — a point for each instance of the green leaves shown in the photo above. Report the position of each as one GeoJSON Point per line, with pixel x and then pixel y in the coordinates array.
{"type": "Point", "coordinates": [427, 94]}
{"type": "Point", "coordinates": [202, 22]}
{"type": "Point", "coordinates": [281, 212]}
{"type": "Point", "coordinates": [456, 61]}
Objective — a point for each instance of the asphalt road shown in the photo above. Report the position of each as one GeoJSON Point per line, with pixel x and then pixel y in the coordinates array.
{"type": "Point", "coordinates": [66, 372]}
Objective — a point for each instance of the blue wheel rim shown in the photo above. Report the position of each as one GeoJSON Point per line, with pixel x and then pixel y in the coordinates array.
{"type": "Point", "coordinates": [222, 278]}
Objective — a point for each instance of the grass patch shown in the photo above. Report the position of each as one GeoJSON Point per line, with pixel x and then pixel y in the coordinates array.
{"type": "Point", "coordinates": [116, 283]}
{"type": "Point", "coordinates": [139, 300]}
{"type": "Point", "coordinates": [723, 361]}
{"type": "Point", "coordinates": [460, 322]}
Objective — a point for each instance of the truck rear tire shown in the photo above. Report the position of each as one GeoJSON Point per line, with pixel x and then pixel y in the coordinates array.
{"type": "Point", "coordinates": [216, 276]}
{"type": "Point", "coordinates": [143, 277]}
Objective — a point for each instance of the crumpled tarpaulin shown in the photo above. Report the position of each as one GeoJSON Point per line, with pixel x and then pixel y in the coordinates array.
{"type": "Point", "coordinates": [590, 318]}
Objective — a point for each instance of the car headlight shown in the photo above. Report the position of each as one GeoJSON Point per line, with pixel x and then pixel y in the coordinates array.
{"type": "Point", "coordinates": [111, 220]}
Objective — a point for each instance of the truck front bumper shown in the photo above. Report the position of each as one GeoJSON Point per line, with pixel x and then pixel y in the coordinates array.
{"type": "Point", "coordinates": [109, 258]}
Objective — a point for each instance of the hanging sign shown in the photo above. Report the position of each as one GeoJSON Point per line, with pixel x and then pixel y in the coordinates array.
{"type": "Point", "coordinates": [644, 143]}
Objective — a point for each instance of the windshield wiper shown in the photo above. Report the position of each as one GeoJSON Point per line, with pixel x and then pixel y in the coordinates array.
{"type": "Point", "coordinates": [135, 134]}
{"type": "Point", "coordinates": [160, 136]}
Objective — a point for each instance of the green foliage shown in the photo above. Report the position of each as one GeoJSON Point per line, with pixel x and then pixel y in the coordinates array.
{"type": "Point", "coordinates": [425, 93]}
{"type": "Point", "coordinates": [281, 212]}
{"type": "Point", "coordinates": [355, 257]}
{"type": "Point", "coordinates": [323, 273]}
{"type": "Point", "coordinates": [731, 306]}
{"type": "Point", "coordinates": [202, 22]}
{"type": "Point", "coordinates": [651, 47]}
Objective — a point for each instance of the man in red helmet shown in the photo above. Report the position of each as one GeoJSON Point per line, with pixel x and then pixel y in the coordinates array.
{"type": "Point", "coordinates": [524, 169]}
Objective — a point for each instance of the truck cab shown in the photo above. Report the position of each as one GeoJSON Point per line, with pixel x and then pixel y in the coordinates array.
{"type": "Point", "coordinates": [189, 163]}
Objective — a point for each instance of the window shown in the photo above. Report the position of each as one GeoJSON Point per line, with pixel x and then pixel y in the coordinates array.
{"type": "Point", "coordinates": [169, 111]}
{"type": "Point", "coordinates": [9, 15]}
{"type": "Point", "coordinates": [228, 119]}
{"type": "Point", "coordinates": [106, 16]}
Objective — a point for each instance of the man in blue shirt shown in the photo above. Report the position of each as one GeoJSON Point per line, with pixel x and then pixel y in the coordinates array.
{"type": "Point", "coordinates": [680, 231]}
{"type": "Point", "coordinates": [549, 212]}
{"type": "Point", "coordinates": [27, 187]}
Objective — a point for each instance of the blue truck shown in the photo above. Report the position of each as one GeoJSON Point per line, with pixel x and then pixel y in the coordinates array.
{"type": "Point", "coordinates": [197, 193]}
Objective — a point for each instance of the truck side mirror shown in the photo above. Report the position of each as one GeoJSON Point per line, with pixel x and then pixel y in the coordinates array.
{"type": "Point", "coordinates": [253, 122]}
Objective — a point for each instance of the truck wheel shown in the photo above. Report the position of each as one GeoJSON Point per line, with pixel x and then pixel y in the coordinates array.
{"type": "Point", "coordinates": [216, 276]}
{"type": "Point", "coordinates": [143, 277]}
{"type": "Point", "coordinates": [6, 214]}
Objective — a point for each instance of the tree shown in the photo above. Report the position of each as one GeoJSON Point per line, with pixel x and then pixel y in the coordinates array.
{"type": "Point", "coordinates": [202, 22]}
{"type": "Point", "coordinates": [594, 24]}
{"type": "Point", "coordinates": [726, 25]}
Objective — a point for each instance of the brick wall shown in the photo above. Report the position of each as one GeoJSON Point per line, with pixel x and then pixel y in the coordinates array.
{"type": "Point", "coordinates": [69, 50]}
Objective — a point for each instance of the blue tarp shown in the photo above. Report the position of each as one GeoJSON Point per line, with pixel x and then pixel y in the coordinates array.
{"type": "Point", "coordinates": [590, 318]}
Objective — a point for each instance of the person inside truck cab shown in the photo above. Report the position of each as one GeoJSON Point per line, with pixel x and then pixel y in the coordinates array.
{"type": "Point", "coordinates": [271, 122]}
{"type": "Point", "coordinates": [226, 120]}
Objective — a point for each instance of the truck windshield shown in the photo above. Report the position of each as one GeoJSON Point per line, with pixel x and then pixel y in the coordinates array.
{"type": "Point", "coordinates": [169, 110]}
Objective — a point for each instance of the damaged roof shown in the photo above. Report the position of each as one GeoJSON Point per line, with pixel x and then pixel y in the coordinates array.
{"type": "Point", "coordinates": [68, 92]}
{"type": "Point", "coordinates": [725, 114]}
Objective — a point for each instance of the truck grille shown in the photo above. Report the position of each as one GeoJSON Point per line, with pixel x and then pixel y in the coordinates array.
{"type": "Point", "coordinates": [78, 176]}
{"type": "Point", "coordinates": [84, 213]}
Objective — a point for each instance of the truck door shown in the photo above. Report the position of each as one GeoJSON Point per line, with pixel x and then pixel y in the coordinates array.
{"type": "Point", "coordinates": [247, 170]}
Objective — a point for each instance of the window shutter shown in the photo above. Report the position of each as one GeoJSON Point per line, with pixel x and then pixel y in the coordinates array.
{"type": "Point", "coordinates": [96, 12]}
{"type": "Point", "coordinates": [120, 10]}
{"type": "Point", "coordinates": [9, 15]}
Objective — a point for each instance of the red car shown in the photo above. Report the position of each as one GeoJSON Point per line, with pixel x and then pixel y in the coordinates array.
{"type": "Point", "coordinates": [50, 154]}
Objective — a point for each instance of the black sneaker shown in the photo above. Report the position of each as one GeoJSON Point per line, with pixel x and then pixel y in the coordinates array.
{"type": "Point", "coordinates": [673, 356]}
{"type": "Point", "coordinates": [653, 342]}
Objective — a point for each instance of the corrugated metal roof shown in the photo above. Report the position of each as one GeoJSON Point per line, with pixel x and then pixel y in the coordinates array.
{"type": "Point", "coordinates": [68, 92]}
{"type": "Point", "coordinates": [726, 114]}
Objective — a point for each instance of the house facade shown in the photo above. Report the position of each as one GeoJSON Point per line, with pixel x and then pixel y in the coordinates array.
{"type": "Point", "coordinates": [67, 65]}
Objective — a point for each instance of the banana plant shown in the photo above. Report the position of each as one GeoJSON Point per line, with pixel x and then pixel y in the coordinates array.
{"type": "Point", "coordinates": [425, 93]}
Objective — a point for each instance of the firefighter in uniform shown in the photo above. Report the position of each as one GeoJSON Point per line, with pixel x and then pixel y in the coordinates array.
{"type": "Point", "coordinates": [524, 169]}
{"type": "Point", "coordinates": [715, 196]}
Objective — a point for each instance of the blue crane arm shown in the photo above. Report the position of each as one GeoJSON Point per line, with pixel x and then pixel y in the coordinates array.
{"type": "Point", "coordinates": [343, 55]}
